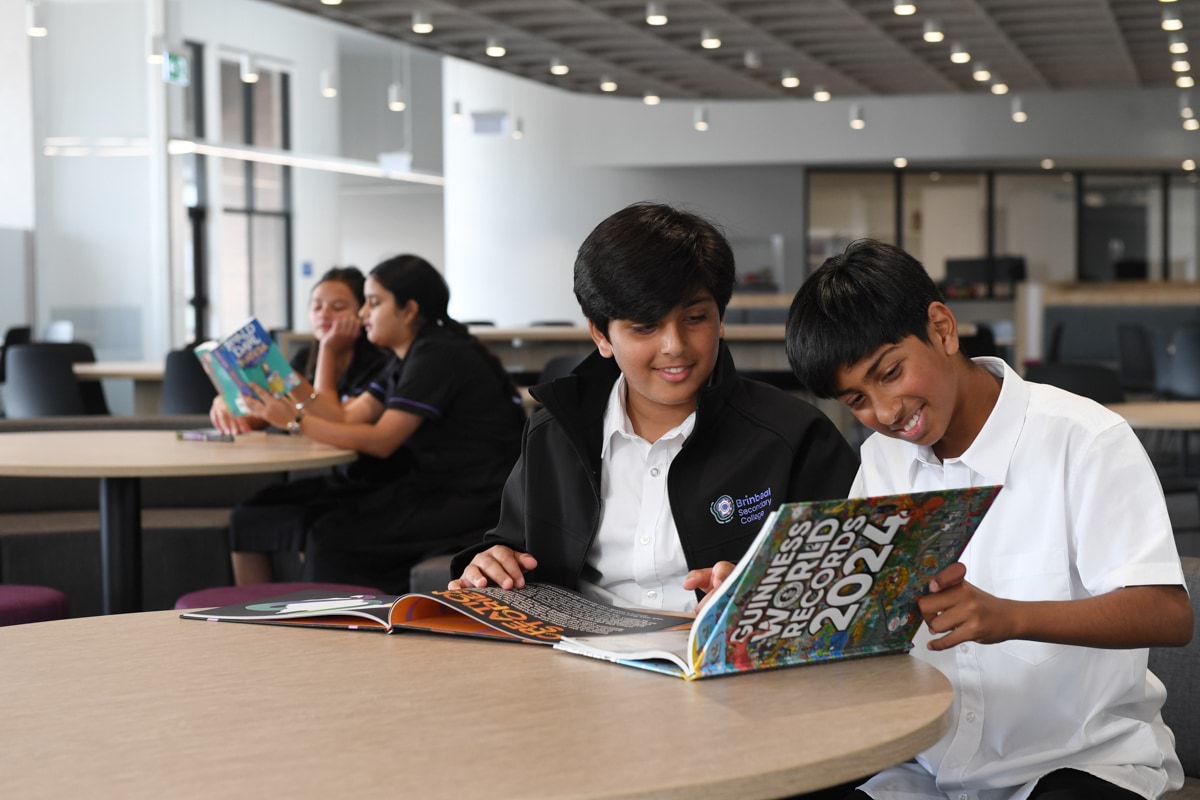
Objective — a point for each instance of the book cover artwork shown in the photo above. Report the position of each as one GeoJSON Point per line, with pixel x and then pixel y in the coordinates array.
{"type": "Point", "coordinates": [260, 360]}
{"type": "Point", "coordinates": [823, 581]}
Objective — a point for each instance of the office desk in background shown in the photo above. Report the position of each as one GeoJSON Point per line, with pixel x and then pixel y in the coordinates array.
{"type": "Point", "coordinates": [120, 459]}
{"type": "Point", "coordinates": [152, 706]}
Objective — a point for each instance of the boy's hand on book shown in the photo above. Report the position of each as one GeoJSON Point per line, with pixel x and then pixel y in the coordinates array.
{"type": "Point", "coordinates": [499, 564]}
{"type": "Point", "coordinates": [225, 422]}
{"type": "Point", "coordinates": [341, 336]}
{"type": "Point", "coordinates": [707, 580]}
{"type": "Point", "coordinates": [964, 612]}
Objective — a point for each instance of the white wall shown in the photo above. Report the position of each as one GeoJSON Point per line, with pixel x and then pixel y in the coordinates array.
{"type": "Point", "coordinates": [96, 245]}
{"type": "Point", "coordinates": [517, 211]}
{"type": "Point", "coordinates": [380, 220]}
{"type": "Point", "coordinates": [16, 166]}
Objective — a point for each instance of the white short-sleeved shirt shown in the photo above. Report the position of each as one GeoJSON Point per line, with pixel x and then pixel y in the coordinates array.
{"type": "Point", "coordinates": [1081, 514]}
{"type": "Point", "coordinates": [636, 559]}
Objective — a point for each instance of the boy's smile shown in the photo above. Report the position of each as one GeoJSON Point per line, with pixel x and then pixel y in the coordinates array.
{"type": "Point", "coordinates": [665, 363]}
{"type": "Point", "coordinates": [913, 390]}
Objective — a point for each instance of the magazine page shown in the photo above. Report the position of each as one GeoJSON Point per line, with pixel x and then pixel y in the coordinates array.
{"type": "Point", "coordinates": [539, 613]}
{"type": "Point", "coordinates": [261, 361]}
{"type": "Point", "coordinates": [836, 579]}
{"type": "Point", "coordinates": [310, 607]}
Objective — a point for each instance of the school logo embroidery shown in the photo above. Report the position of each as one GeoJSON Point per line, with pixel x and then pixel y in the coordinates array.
{"type": "Point", "coordinates": [722, 509]}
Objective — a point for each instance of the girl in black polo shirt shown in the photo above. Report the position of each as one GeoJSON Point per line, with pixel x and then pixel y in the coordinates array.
{"type": "Point", "coordinates": [444, 405]}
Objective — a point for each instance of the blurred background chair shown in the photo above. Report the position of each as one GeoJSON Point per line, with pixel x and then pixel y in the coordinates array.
{"type": "Point", "coordinates": [1136, 363]}
{"type": "Point", "coordinates": [558, 367]}
{"type": "Point", "coordinates": [12, 337]}
{"type": "Point", "coordinates": [982, 343]}
{"type": "Point", "coordinates": [1184, 373]}
{"type": "Point", "coordinates": [186, 388]}
{"type": "Point", "coordinates": [41, 383]}
{"type": "Point", "coordinates": [552, 323]}
{"type": "Point", "coordinates": [1092, 381]}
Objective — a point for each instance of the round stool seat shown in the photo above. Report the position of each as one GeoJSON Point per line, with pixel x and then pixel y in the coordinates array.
{"type": "Point", "coordinates": [240, 595]}
{"type": "Point", "coordinates": [20, 604]}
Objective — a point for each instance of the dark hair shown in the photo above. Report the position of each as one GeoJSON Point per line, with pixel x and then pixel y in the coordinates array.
{"type": "Point", "coordinates": [352, 277]}
{"type": "Point", "coordinates": [410, 277]}
{"type": "Point", "coordinates": [871, 295]}
{"type": "Point", "coordinates": [647, 259]}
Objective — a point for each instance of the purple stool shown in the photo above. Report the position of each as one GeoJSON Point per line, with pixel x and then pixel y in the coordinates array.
{"type": "Point", "coordinates": [240, 595]}
{"type": "Point", "coordinates": [20, 604]}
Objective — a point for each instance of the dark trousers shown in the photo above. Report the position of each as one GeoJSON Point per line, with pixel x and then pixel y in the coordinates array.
{"type": "Point", "coordinates": [1062, 784]}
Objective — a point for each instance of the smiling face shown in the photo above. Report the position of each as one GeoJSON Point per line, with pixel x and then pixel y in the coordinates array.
{"type": "Point", "coordinates": [386, 323]}
{"type": "Point", "coordinates": [330, 301]}
{"type": "Point", "coordinates": [666, 363]}
{"type": "Point", "coordinates": [910, 390]}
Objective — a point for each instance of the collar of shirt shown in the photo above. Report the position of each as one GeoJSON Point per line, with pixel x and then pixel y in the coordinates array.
{"type": "Point", "coordinates": [991, 452]}
{"type": "Point", "coordinates": [617, 423]}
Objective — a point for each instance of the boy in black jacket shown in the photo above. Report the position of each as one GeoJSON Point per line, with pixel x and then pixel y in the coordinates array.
{"type": "Point", "coordinates": [652, 467]}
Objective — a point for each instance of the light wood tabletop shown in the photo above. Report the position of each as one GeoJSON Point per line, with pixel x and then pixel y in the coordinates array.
{"type": "Point", "coordinates": [142, 454]}
{"type": "Point", "coordinates": [135, 370]}
{"type": "Point", "coordinates": [1163, 415]}
{"type": "Point", "coordinates": [579, 333]}
{"type": "Point", "coordinates": [152, 706]}
{"type": "Point", "coordinates": [120, 459]}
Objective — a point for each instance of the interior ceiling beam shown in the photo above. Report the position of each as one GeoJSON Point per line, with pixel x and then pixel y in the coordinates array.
{"type": "Point", "coordinates": [1105, 13]}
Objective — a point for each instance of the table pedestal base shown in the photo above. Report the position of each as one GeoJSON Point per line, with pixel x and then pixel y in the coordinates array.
{"type": "Point", "coordinates": [121, 544]}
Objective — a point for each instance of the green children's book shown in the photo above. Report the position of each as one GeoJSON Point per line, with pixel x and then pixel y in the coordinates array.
{"type": "Point", "coordinates": [248, 356]}
{"type": "Point", "coordinates": [822, 581]}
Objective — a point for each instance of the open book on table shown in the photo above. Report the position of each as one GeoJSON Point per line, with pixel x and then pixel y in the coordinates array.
{"type": "Point", "coordinates": [822, 581]}
{"type": "Point", "coordinates": [539, 613]}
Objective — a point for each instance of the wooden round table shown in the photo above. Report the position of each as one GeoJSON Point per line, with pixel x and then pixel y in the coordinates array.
{"type": "Point", "coordinates": [120, 459]}
{"type": "Point", "coordinates": [151, 706]}
{"type": "Point", "coordinates": [1163, 415]}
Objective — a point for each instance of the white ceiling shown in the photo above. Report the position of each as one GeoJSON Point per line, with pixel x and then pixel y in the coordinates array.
{"type": "Point", "coordinates": [851, 47]}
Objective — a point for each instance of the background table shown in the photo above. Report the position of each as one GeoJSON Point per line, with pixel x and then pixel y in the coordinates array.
{"type": "Point", "coordinates": [1163, 415]}
{"type": "Point", "coordinates": [151, 706]}
{"type": "Point", "coordinates": [147, 377]}
{"type": "Point", "coordinates": [120, 459]}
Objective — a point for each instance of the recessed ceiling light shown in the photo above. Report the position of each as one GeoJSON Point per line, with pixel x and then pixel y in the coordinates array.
{"type": "Point", "coordinates": [396, 97]}
{"type": "Point", "coordinates": [1171, 20]}
{"type": "Point", "coordinates": [958, 54]}
{"type": "Point", "coordinates": [789, 79]}
{"type": "Point", "coordinates": [981, 73]}
{"type": "Point", "coordinates": [904, 8]}
{"type": "Point", "coordinates": [607, 84]}
{"type": "Point", "coordinates": [999, 88]}
{"type": "Point", "coordinates": [422, 22]}
{"type": "Point", "coordinates": [1047, 163]}
{"type": "Point", "coordinates": [933, 31]}
{"type": "Point", "coordinates": [700, 119]}
{"type": "Point", "coordinates": [709, 39]}
{"type": "Point", "coordinates": [495, 48]}
{"type": "Point", "coordinates": [651, 98]}
{"type": "Point", "coordinates": [1191, 124]}
{"type": "Point", "coordinates": [1189, 164]}
{"type": "Point", "coordinates": [656, 13]}
{"type": "Point", "coordinates": [1181, 65]}
{"type": "Point", "coordinates": [1185, 82]}
{"type": "Point", "coordinates": [558, 67]}
{"type": "Point", "coordinates": [1018, 111]}
{"type": "Point", "coordinates": [821, 94]}
{"type": "Point", "coordinates": [857, 121]}
{"type": "Point", "coordinates": [900, 162]}
{"type": "Point", "coordinates": [1177, 44]}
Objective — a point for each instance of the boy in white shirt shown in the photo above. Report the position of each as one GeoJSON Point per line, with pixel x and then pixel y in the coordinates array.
{"type": "Point", "coordinates": [1043, 625]}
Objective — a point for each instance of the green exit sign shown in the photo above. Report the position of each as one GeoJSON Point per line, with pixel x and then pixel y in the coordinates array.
{"type": "Point", "coordinates": [176, 69]}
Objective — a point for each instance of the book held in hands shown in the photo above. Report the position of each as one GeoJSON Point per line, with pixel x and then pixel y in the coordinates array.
{"type": "Point", "coordinates": [247, 357]}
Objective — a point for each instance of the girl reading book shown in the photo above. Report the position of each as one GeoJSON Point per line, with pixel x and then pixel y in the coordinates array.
{"type": "Point", "coordinates": [333, 309]}
{"type": "Point", "coordinates": [444, 406]}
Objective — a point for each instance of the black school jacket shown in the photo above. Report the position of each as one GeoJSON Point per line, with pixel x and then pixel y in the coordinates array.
{"type": "Point", "coordinates": [752, 448]}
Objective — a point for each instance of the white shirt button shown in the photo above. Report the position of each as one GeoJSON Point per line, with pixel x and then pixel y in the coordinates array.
{"type": "Point", "coordinates": [970, 716]}
{"type": "Point", "coordinates": [654, 472]}
{"type": "Point", "coordinates": [964, 648]}
{"type": "Point", "coordinates": [651, 594]}
{"type": "Point", "coordinates": [644, 540]}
